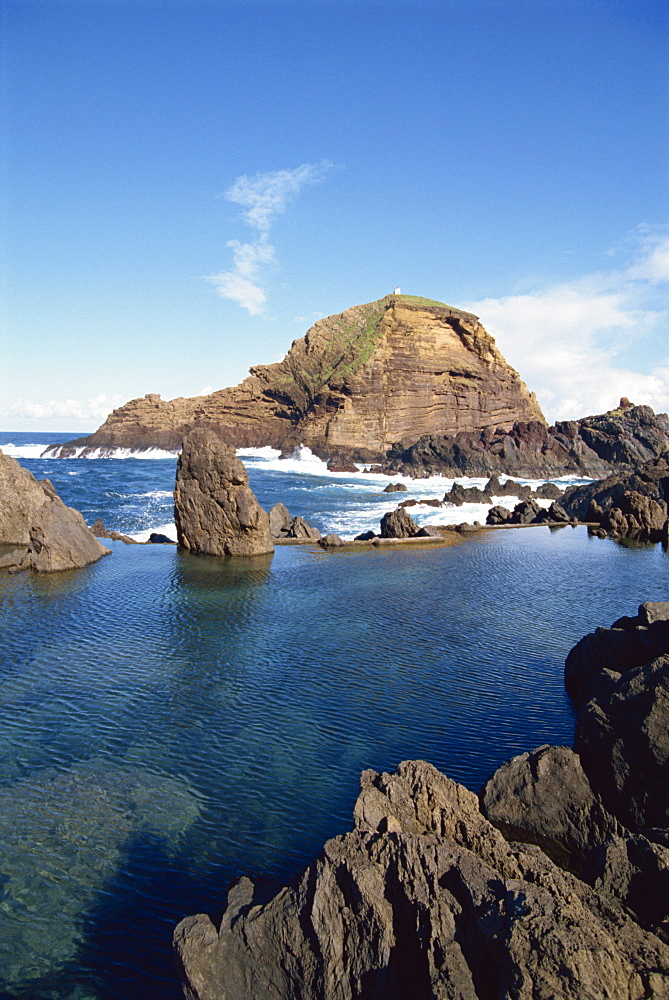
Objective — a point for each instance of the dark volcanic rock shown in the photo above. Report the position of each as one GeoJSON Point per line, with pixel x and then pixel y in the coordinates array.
{"type": "Point", "coordinates": [593, 500]}
{"type": "Point", "coordinates": [395, 488]}
{"type": "Point", "coordinates": [545, 798]}
{"type": "Point", "coordinates": [619, 678]}
{"type": "Point", "coordinates": [499, 515]}
{"type": "Point", "coordinates": [592, 446]}
{"type": "Point", "coordinates": [41, 532]}
{"type": "Point", "coordinates": [398, 524]}
{"type": "Point", "coordinates": [635, 869]}
{"type": "Point", "coordinates": [636, 516]}
{"type": "Point", "coordinates": [214, 510]}
{"type": "Point", "coordinates": [457, 495]}
{"type": "Point", "coordinates": [423, 899]}
{"type": "Point", "coordinates": [622, 737]}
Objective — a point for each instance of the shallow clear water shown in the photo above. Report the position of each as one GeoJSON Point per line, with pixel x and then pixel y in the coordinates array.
{"type": "Point", "coordinates": [168, 723]}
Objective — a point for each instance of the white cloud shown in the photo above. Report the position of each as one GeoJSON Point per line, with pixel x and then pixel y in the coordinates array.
{"type": "Point", "coordinates": [264, 197]}
{"type": "Point", "coordinates": [92, 410]}
{"type": "Point", "coordinates": [566, 340]}
{"type": "Point", "coordinates": [267, 195]}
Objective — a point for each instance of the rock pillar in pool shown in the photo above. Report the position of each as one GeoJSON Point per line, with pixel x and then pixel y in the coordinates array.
{"type": "Point", "coordinates": [215, 511]}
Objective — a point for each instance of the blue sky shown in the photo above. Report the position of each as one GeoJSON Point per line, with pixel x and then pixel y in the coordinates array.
{"type": "Point", "coordinates": [189, 185]}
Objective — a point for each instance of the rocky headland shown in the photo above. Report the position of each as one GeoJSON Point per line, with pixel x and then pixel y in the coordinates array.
{"type": "Point", "coordinates": [358, 382]}
{"type": "Point", "coordinates": [37, 530]}
{"type": "Point", "coordinates": [553, 882]}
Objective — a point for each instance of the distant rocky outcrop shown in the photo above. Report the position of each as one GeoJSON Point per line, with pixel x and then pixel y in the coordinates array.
{"type": "Point", "coordinates": [99, 529]}
{"type": "Point", "coordinates": [592, 446]}
{"type": "Point", "coordinates": [37, 530]}
{"type": "Point", "coordinates": [632, 505]}
{"type": "Point", "coordinates": [540, 887]}
{"type": "Point", "coordinates": [398, 524]}
{"type": "Point", "coordinates": [390, 370]}
{"type": "Point", "coordinates": [215, 511]}
{"type": "Point", "coordinates": [284, 526]}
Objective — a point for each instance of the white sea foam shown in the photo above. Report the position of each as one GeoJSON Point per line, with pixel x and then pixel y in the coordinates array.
{"type": "Point", "coordinates": [119, 453]}
{"type": "Point", "coordinates": [168, 529]}
{"type": "Point", "coordinates": [23, 450]}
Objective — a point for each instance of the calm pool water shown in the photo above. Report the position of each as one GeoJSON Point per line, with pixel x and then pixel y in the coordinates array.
{"type": "Point", "coordinates": [168, 723]}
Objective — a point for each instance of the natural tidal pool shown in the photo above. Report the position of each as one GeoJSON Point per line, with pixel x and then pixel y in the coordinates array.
{"type": "Point", "coordinates": [168, 723]}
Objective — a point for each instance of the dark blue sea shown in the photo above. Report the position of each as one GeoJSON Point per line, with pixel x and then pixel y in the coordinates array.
{"type": "Point", "coordinates": [169, 723]}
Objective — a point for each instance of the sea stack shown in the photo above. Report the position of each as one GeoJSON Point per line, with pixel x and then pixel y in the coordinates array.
{"type": "Point", "coordinates": [215, 511]}
{"type": "Point", "coordinates": [358, 382]}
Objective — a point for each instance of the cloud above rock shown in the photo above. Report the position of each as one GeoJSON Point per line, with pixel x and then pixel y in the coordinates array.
{"type": "Point", "coordinates": [263, 197]}
{"type": "Point", "coordinates": [580, 344]}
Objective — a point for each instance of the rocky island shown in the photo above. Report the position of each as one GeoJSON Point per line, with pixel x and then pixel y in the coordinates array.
{"type": "Point", "coordinates": [358, 382]}
{"type": "Point", "coordinates": [412, 385]}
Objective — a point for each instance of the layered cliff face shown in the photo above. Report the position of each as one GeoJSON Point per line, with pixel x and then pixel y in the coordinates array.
{"type": "Point", "coordinates": [391, 370]}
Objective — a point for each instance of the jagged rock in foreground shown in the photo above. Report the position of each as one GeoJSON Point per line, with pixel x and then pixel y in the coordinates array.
{"type": "Point", "coordinates": [37, 529]}
{"type": "Point", "coordinates": [393, 369]}
{"type": "Point", "coordinates": [619, 678]}
{"type": "Point", "coordinates": [544, 797]}
{"type": "Point", "coordinates": [423, 899]}
{"type": "Point", "coordinates": [215, 511]}
{"type": "Point", "coordinates": [591, 446]}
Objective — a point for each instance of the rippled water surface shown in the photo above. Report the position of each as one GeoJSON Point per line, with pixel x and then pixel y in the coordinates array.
{"type": "Point", "coordinates": [168, 723]}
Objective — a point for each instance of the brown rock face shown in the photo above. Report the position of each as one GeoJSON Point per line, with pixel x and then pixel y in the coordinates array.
{"type": "Point", "coordinates": [214, 510]}
{"type": "Point", "coordinates": [41, 533]}
{"type": "Point", "coordinates": [388, 371]}
{"type": "Point", "coordinates": [423, 899]}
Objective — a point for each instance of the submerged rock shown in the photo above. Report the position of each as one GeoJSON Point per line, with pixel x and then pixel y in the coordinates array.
{"type": "Point", "coordinates": [215, 511]}
{"type": "Point", "coordinates": [41, 532]}
{"type": "Point", "coordinates": [423, 899]}
{"type": "Point", "coordinates": [63, 835]}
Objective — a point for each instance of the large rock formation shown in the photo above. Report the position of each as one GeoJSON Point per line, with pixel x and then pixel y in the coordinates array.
{"type": "Point", "coordinates": [215, 511]}
{"type": "Point", "coordinates": [591, 446]}
{"type": "Point", "coordinates": [391, 370]}
{"type": "Point", "coordinates": [423, 899]}
{"type": "Point", "coordinates": [37, 530]}
{"type": "Point", "coordinates": [619, 679]}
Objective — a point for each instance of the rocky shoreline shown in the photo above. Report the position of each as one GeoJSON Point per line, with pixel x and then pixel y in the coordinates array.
{"type": "Point", "coordinates": [553, 882]}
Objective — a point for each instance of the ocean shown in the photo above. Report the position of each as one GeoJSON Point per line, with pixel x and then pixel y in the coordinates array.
{"type": "Point", "coordinates": [169, 723]}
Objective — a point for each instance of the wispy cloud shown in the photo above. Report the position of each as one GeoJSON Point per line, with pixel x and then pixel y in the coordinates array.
{"type": "Point", "coordinates": [263, 198]}
{"type": "Point", "coordinates": [569, 340]}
